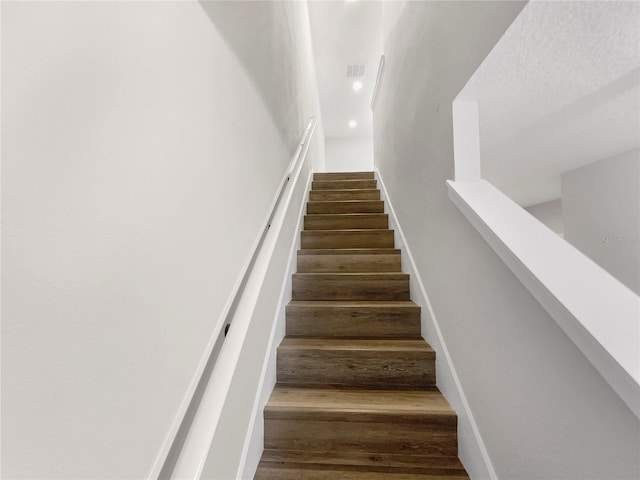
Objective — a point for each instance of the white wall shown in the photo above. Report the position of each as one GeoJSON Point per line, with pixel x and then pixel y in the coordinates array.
{"type": "Point", "coordinates": [541, 409]}
{"type": "Point", "coordinates": [142, 146]}
{"type": "Point", "coordinates": [549, 213]}
{"type": "Point", "coordinates": [241, 421]}
{"type": "Point", "coordinates": [601, 209]}
{"type": "Point", "coordinates": [348, 154]}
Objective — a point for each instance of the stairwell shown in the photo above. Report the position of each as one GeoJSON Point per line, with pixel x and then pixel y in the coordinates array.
{"type": "Point", "coordinates": [355, 396]}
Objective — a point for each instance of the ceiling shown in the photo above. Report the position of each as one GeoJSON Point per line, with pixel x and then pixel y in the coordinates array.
{"type": "Point", "coordinates": [560, 90]}
{"type": "Point", "coordinates": [346, 32]}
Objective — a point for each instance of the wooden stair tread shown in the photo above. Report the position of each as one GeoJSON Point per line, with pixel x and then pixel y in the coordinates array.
{"type": "Point", "coordinates": [419, 402]}
{"type": "Point", "coordinates": [336, 202]}
{"type": "Point", "coordinates": [349, 251]}
{"type": "Point", "coordinates": [320, 176]}
{"type": "Point", "coordinates": [344, 206]}
{"type": "Point", "coordinates": [350, 286]}
{"type": "Point", "coordinates": [353, 275]}
{"type": "Point", "coordinates": [347, 238]}
{"type": "Point", "coordinates": [346, 230]}
{"type": "Point", "coordinates": [367, 184]}
{"type": "Point", "coordinates": [350, 190]}
{"type": "Point", "coordinates": [358, 220]}
{"type": "Point", "coordinates": [387, 345]}
{"type": "Point", "coordinates": [274, 471]}
{"type": "Point", "coordinates": [350, 194]}
{"type": "Point", "coordinates": [354, 460]}
{"type": "Point", "coordinates": [353, 319]}
{"type": "Point", "coordinates": [347, 215]}
{"type": "Point", "coordinates": [354, 303]}
{"type": "Point", "coordinates": [346, 190]}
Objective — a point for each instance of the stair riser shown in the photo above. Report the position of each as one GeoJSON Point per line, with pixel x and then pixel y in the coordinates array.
{"type": "Point", "coordinates": [287, 472]}
{"type": "Point", "coordinates": [347, 239]}
{"type": "Point", "coordinates": [384, 322]}
{"type": "Point", "coordinates": [349, 263]}
{"type": "Point", "coordinates": [432, 465]}
{"type": "Point", "coordinates": [366, 437]}
{"type": "Point", "coordinates": [310, 287]}
{"type": "Point", "coordinates": [344, 185]}
{"type": "Point", "coordinates": [343, 176]}
{"type": "Point", "coordinates": [333, 195]}
{"type": "Point", "coordinates": [346, 222]}
{"type": "Point", "coordinates": [356, 368]}
{"type": "Point", "coordinates": [360, 206]}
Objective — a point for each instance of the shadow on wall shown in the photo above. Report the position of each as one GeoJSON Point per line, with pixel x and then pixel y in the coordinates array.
{"type": "Point", "coordinates": [262, 36]}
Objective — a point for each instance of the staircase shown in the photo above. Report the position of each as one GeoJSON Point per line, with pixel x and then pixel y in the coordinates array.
{"type": "Point", "coordinates": [356, 396]}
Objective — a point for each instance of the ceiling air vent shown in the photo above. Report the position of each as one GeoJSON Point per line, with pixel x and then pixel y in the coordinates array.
{"type": "Point", "coordinates": [354, 71]}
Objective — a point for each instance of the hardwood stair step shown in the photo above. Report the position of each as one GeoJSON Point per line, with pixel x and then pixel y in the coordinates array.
{"type": "Point", "coordinates": [412, 429]}
{"type": "Point", "coordinates": [340, 239]}
{"type": "Point", "coordinates": [343, 184]}
{"type": "Point", "coordinates": [349, 260]}
{"type": "Point", "coordinates": [351, 286]}
{"type": "Point", "coordinates": [355, 397]}
{"type": "Point", "coordinates": [271, 471]}
{"type": "Point", "coordinates": [353, 319]}
{"type": "Point", "coordinates": [346, 221]}
{"type": "Point", "coordinates": [424, 406]}
{"type": "Point", "coordinates": [387, 462]}
{"type": "Point", "coordinates": [323, 176]}
{"type": "Point", "coordinates": [352, 194]}
{"type": "Point", "coordinates": [346, 206]}
{"type": "Point", "coordinates": [370, 363]}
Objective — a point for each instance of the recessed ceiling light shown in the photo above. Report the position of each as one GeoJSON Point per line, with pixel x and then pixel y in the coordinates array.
{"type": "Point", "coordinates": [357, 86]}
{"type": "Point", "coordinates": [353, 124]}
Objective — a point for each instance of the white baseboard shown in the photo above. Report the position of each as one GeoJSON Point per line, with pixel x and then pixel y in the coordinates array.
{"type": "Point", "coordinates": [254, 443]}
{"type": "Point", "coordinates": [472, 451]}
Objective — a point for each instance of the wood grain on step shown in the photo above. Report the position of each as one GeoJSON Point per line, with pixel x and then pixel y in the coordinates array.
{"type": "Point", "coordinates": [371, 437]}
{"type": "Point", "coordinates": [352, 194]}
{"type": "Point", "coordinates": [343, 184]}
{"type": "Point", "coordinates": [398, 462]}
{"type": "Point", "coordinates": [350, 286]}
{"type": "Point", "coordinates": [349, 263]}
{"type": "Point", "coordinates": [346, 221]}
{"type": "Point", "coordinates": [353, 319]}
{"type": "Point", "coordinates": [346, 206]}
{"type": "Point", "coordinates": [358, 402]}
{"type": "Point", "coordinates": [359, 363]}
{"type": "Point", "coordinates": [271, 471]}
{"type": "Point", "coordinates": [324, 176]}
{"type": "Point", "coordinates": [319, 239]}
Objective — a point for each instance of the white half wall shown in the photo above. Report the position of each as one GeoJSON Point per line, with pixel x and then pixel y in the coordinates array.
{"type": "Point", "coordinates": [601, 210]}
{"type": "Point", "coordinates": [542, 410]}
{"type": "Point", "coordinates": [142, 146]}
{"type": "Point", "coordinates": [348, 154]}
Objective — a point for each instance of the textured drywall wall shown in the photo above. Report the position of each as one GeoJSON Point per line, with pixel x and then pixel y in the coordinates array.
{"type": "Point", "coordinates": [549, 213]}
{"type": "Point", "coordinates": [142, 147]}
{"type": "Point", "coordinates": [542, 410]}
{"type": "Point", "coordinates": [559, 91]}
{"type": "Point", "coordinates": [601, 210]}
{"type": "Point", "coordinates": [351, 154]}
